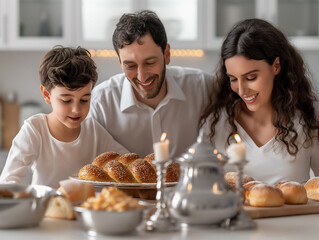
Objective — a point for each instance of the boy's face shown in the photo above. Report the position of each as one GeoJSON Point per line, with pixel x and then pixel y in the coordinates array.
{"type": "Point", "coordinates": [69, 107]}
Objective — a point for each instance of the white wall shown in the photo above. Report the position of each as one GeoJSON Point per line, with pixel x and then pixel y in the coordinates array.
{"type": "Point", "coordinates": [19, 71]}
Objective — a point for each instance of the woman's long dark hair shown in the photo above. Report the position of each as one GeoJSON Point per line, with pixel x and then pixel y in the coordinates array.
{"type": "Point", "coordinates": [292, 91]}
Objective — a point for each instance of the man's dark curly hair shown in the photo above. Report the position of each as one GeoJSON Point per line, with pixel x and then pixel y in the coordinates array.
{"type": "Point", "coordinates": [132, 27]}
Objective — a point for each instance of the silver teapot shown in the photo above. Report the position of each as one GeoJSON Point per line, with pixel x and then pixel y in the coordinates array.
{"type": "Point", "coordinates": [202, 195]}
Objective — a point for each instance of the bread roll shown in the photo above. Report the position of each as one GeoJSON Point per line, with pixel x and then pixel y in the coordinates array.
{"type": "Point", "coordinates": [76, 191]}
{"type": "Point", "coordinates": [231, 179]}
{"type": "Point", "coordinates": [294, 192]}
{"type": "Point", "coordinates": [104, 158]}
{"type": "Point", "coordinates": [263, 195]}
{"type": "Point", "coordinates": [246, 188]}
{"type": "Point", "coordinates": [94, 173]}
{"type": "Point", "coordinates": [72, 191]}
{"type": "Point", "coordinates": [60, 207]}
{"type": "Point", "coordinates": [312, 188]}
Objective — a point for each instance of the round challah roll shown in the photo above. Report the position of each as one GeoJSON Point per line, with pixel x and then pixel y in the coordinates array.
{"type": "Point", "coordinates": [248, 185]}
{"type": "Point", "coordinates": [264, 195]}
{"type": "Point", "coordinates": [294, 192]}
{"type": "Point", "coordinates": [312, 188]}
{"type": "Point", "coordinates": [246, 188]}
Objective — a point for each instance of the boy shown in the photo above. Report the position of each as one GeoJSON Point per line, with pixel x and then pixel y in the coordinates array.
{"type": "Point", "coordinates": [58, 144]}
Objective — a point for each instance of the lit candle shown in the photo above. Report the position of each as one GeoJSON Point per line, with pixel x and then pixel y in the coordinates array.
{"type": "Point", "coordinates": [236, 151]}
{"type": "Point", "coordinates": [161, 149]}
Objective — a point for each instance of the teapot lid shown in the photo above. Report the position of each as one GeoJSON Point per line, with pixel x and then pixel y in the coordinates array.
{"type": "Point", "coordinates": [202, 150]}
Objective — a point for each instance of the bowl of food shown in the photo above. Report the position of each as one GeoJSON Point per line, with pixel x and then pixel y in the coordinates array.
{"type": "Point", "coordinates": [110, 212]}
{"type": "Point", "coordinates": [23, 205]}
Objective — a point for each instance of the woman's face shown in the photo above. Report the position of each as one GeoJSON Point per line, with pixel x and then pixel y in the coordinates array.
{"type": "Point", "coordinates": [252, 80]}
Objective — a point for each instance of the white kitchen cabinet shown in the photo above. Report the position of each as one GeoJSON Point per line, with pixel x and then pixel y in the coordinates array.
{"type": "Point", "coordinates": [182, 20]}
{"type": "Point", "coordinates": [298, 19]}
{"type": "Point", "coordinates": [39, 24]}
{"type": "Point", "coordinates": [3, 20]}
{"type": "Point", "coordinates": [96, 20]}
{"type": "Point", "coordinates": [189, 23]}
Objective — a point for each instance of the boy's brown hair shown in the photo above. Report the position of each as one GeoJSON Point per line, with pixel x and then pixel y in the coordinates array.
{"type": "Point", "coordinates": [72, 68]}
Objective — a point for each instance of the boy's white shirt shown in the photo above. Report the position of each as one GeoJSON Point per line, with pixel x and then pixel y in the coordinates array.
{"type": "Point", "coordinates": [50, 159]}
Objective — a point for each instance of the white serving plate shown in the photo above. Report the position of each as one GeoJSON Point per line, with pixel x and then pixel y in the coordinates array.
{"type": "Point", "coordinates": [123, 185]}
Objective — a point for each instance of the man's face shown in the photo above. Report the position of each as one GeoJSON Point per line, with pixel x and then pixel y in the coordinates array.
{"type": "Point", "coordinates": [143, 63]}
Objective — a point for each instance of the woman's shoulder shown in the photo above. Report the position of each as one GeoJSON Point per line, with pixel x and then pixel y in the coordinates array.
{"type": "Point", "coordinates": [221, 125]}
{"type": "Point", "coordinates": [222, 116]}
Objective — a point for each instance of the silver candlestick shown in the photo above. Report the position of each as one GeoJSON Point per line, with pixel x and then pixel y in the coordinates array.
{"type": "Point", "coordinates": [242, 220]}
{"type": "Point", "coordinates": [159, 218]}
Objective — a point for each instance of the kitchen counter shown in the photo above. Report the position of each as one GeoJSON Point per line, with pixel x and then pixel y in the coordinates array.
{"type": "Point", "coordinates": [292, 227]}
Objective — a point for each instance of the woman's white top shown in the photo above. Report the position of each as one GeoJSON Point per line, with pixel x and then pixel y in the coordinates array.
{"type": "Point", "coordinates": [50, 159]}
{"type": "Point", "coordinates": [270, 163]}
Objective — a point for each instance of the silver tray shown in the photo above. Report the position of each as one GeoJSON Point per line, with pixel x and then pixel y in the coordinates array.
{"type": "Point", "coordinates": [123, 185]}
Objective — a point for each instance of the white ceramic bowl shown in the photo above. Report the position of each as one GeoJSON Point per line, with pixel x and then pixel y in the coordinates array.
{"type": "Point", "coordinates": [109, 222]}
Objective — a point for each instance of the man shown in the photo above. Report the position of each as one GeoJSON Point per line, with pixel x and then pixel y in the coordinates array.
{"type": "Point", "coordinates": [137, 106]}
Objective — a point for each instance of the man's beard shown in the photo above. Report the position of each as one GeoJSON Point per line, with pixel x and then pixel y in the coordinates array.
{"type": "Point", "coordinates": [161, 81]}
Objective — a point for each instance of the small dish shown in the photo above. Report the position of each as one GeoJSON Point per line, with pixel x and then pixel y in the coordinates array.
{"type": "Point", "coordinates": [24, 212]}
{"type": "Point", "coordinates": [104, 222]}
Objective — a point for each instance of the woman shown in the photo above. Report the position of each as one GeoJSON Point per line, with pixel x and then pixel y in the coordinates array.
{"type": "Point", "coordinates": [262, 92]}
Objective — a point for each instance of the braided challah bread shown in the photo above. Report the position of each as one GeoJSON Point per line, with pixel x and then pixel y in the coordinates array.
{"type": "Point", "coordinates": [127, 168]}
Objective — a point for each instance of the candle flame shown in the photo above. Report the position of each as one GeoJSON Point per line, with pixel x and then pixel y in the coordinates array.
{"type": "Point", "coordinates": [163, 137]}
{"type": "Point", "coordinates": [237, 138]}
{"type": "Point", "coordinates": [215, 151]}
{"type": "Point", "coordinates": [219, 156]}
{"type": "Point", "coordinates": [191, 150]}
